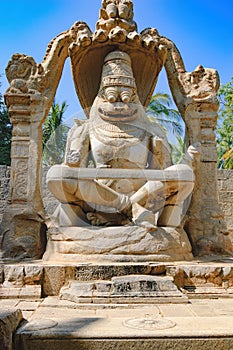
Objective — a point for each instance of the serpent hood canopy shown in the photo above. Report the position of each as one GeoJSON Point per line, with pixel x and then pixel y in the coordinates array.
{"type": "Point", "coordinates": [115, 30]}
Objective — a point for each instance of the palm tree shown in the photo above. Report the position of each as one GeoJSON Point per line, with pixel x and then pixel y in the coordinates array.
{"type": "Point", "coordinates": [178, 149]}
{"type": "Point", "coordinates": [160, 111]}
{"type": "Point", "coordinates": [54, 135]}
{"type": "Point", "coordinates": [5, 133]}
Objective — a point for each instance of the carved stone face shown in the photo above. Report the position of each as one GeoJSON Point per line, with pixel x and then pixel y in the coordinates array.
{"type": "Point", "coordinates": [118, 103]}
{"type": "Point", "coordinates": [117, 99]}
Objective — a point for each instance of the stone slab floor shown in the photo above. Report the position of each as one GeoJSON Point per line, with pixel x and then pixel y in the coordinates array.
{"type": "Point", "coordinates": [53, 324]}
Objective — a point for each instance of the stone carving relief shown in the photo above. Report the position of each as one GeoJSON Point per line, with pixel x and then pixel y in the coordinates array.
{"type": "Point", "coordinates": [201, 85]}
{"type": "Point", "coordinates": [119, 135]}
{"type": "Point", "coordinates": [24, 75]}
{"type": "Point", "coordinates": [118, 138]}
{"type": "Point", "coordinates": [112, 11]}
{"type": "Point", "coordinates": [20, 180]}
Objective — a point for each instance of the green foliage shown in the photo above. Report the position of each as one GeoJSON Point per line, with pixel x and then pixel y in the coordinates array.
{"type": "Point", "coordinates": [54, 135]}
{"type": "Point", "coordinates": [225, 127]}
{"type": "Point", "coordinates": [160, 112]}
{"type": "Point", "coordinates": [5, 134]}
{"type": "Point", "coordinates": [177, 149]}
{"type": "Point", "coordinates": [160, 109]}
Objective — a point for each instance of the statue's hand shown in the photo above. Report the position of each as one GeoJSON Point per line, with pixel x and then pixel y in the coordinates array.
{"type": "Point", "coordinates": [192, 155]}
{"type": "Point", "coordinates": [73, 158]}
{"type": "Point", "coordinates": [194, 150]}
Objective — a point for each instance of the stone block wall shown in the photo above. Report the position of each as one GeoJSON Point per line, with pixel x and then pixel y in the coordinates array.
{"type": "Point", "coordinates": [4, 187]}
{"type": "Point", "coordinates": [225, 185]}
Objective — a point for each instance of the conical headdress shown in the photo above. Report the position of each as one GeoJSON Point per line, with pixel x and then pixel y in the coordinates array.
{"type": "Point", "coordinates": [117, 70]}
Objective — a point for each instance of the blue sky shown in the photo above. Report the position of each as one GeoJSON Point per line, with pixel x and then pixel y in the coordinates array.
{"type": "Point", "coordinates": [201, 29]}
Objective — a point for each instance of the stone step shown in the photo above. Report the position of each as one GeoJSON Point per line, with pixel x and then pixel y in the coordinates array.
{"type": "Point", "coordinates": [150, 343]}
{"type": "Point", "coordinates": [124, 289]}
{"type": "Point", "coordinates": [149, 327]}
{"type": "Point", "coordinates": [195, 278]}
{"type": "Point", "coordinates": [26, 292]}
{"type": "Point", "coordinates": [207, 292]}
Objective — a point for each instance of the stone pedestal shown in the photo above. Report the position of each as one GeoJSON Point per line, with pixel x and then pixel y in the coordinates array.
{"type": "Point", "coordinates": [119, 244]}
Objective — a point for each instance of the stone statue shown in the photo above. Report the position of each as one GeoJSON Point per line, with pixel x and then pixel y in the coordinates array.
{"type": "Point", "coordinates": [131, 206]}
{"type": "Point", "coordinates": [120, 135]}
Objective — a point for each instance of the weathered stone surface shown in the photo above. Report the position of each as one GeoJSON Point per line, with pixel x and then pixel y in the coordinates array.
{"type": "Point", "coordinates": [4, 187]}
{"type": "Point", "coordinates": [129, 344]}
{"type": "Point", "coordinates": [54, 279]}
{"type": "Point", "coordinates": [33, 274]}
{"type": "Point", "coordinates": [26, 292]}
{"type": "Point", "coordinates": [51, 277]}
{"type": "Point", "coordinates": [113, 95]}
{"type": "Point", "coordinates": [140, 285]}
{"type": "Point", "coordinates": [118, 244]}
{"type": "Point", "coordinates": [76, 290]}
{"type": "Point", "coordinates": [123, 289]}
{"type": "Point", "coordinates": [9, 321]}
{"type": "Point", "coordinates": [225, 198]}
{"type": "Point", "coordinates": [108, 328]}
{"type": "Point", "coordinates": [13, 276]}
{"type": "Point", "coordinates": [205, 276]}
{"type": "Point", "coordinates": [1, 274]}
{"type": "Point", "coordinates": [225, 183]}
{"type": "Point", "coordinates": [107, 271]}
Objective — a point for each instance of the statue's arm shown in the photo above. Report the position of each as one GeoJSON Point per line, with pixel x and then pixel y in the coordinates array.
{"type": "Point", "coordinates": [78, 145]}
{"type": "Point", "coordinates": [160, 154]}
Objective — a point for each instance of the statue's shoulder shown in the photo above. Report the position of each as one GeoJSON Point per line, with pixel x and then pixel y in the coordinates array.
{"type": "Point", "coordinates": [77, 145]}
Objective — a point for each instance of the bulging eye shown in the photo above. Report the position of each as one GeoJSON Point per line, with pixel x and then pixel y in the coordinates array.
{"type": "Point", "coordinates": [126, 96]}
{"type": "Point", "coordinates": [111, 95]}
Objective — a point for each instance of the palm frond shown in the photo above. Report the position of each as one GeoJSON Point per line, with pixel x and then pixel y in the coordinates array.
{"type": "Point", "coordinates": [54, 135]}
{"type": "Point", "coordinates": [159, 109]}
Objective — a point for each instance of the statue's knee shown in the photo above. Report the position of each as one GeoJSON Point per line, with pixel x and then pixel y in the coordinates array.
{"type": "Point", "coordinates": [184, 190]}
{"type": "Point", "coordinates": [61, 188]}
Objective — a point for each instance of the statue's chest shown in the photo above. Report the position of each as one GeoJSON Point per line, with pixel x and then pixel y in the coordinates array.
{"type": "Point", "coordinates": [125, 148]}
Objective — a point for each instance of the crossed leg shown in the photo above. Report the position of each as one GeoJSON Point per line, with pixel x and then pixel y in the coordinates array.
{"type": "Point", "coordinates": [153, 197]}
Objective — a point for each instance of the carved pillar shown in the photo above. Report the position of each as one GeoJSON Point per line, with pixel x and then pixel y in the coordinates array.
{"type": "Point", "coordinates": [195, 94]}
{"type": "Point", "coordinates": [205, 223]}
{"type": "Point", "coordinates": [22, 228]}
{"type": "Point", "coordinates": [29, 97]}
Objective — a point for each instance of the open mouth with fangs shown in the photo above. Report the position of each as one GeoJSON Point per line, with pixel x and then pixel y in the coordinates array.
{"type": "Point", "coordinates": [118, 113]}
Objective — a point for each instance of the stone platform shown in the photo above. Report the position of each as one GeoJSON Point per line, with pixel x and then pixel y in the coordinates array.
{"type": "Point", "coordinates": [60, 324]}
{"type": "Point", "coordinates": [36, 279]}
{"type": "Point", "coordinates": [187, 305]}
